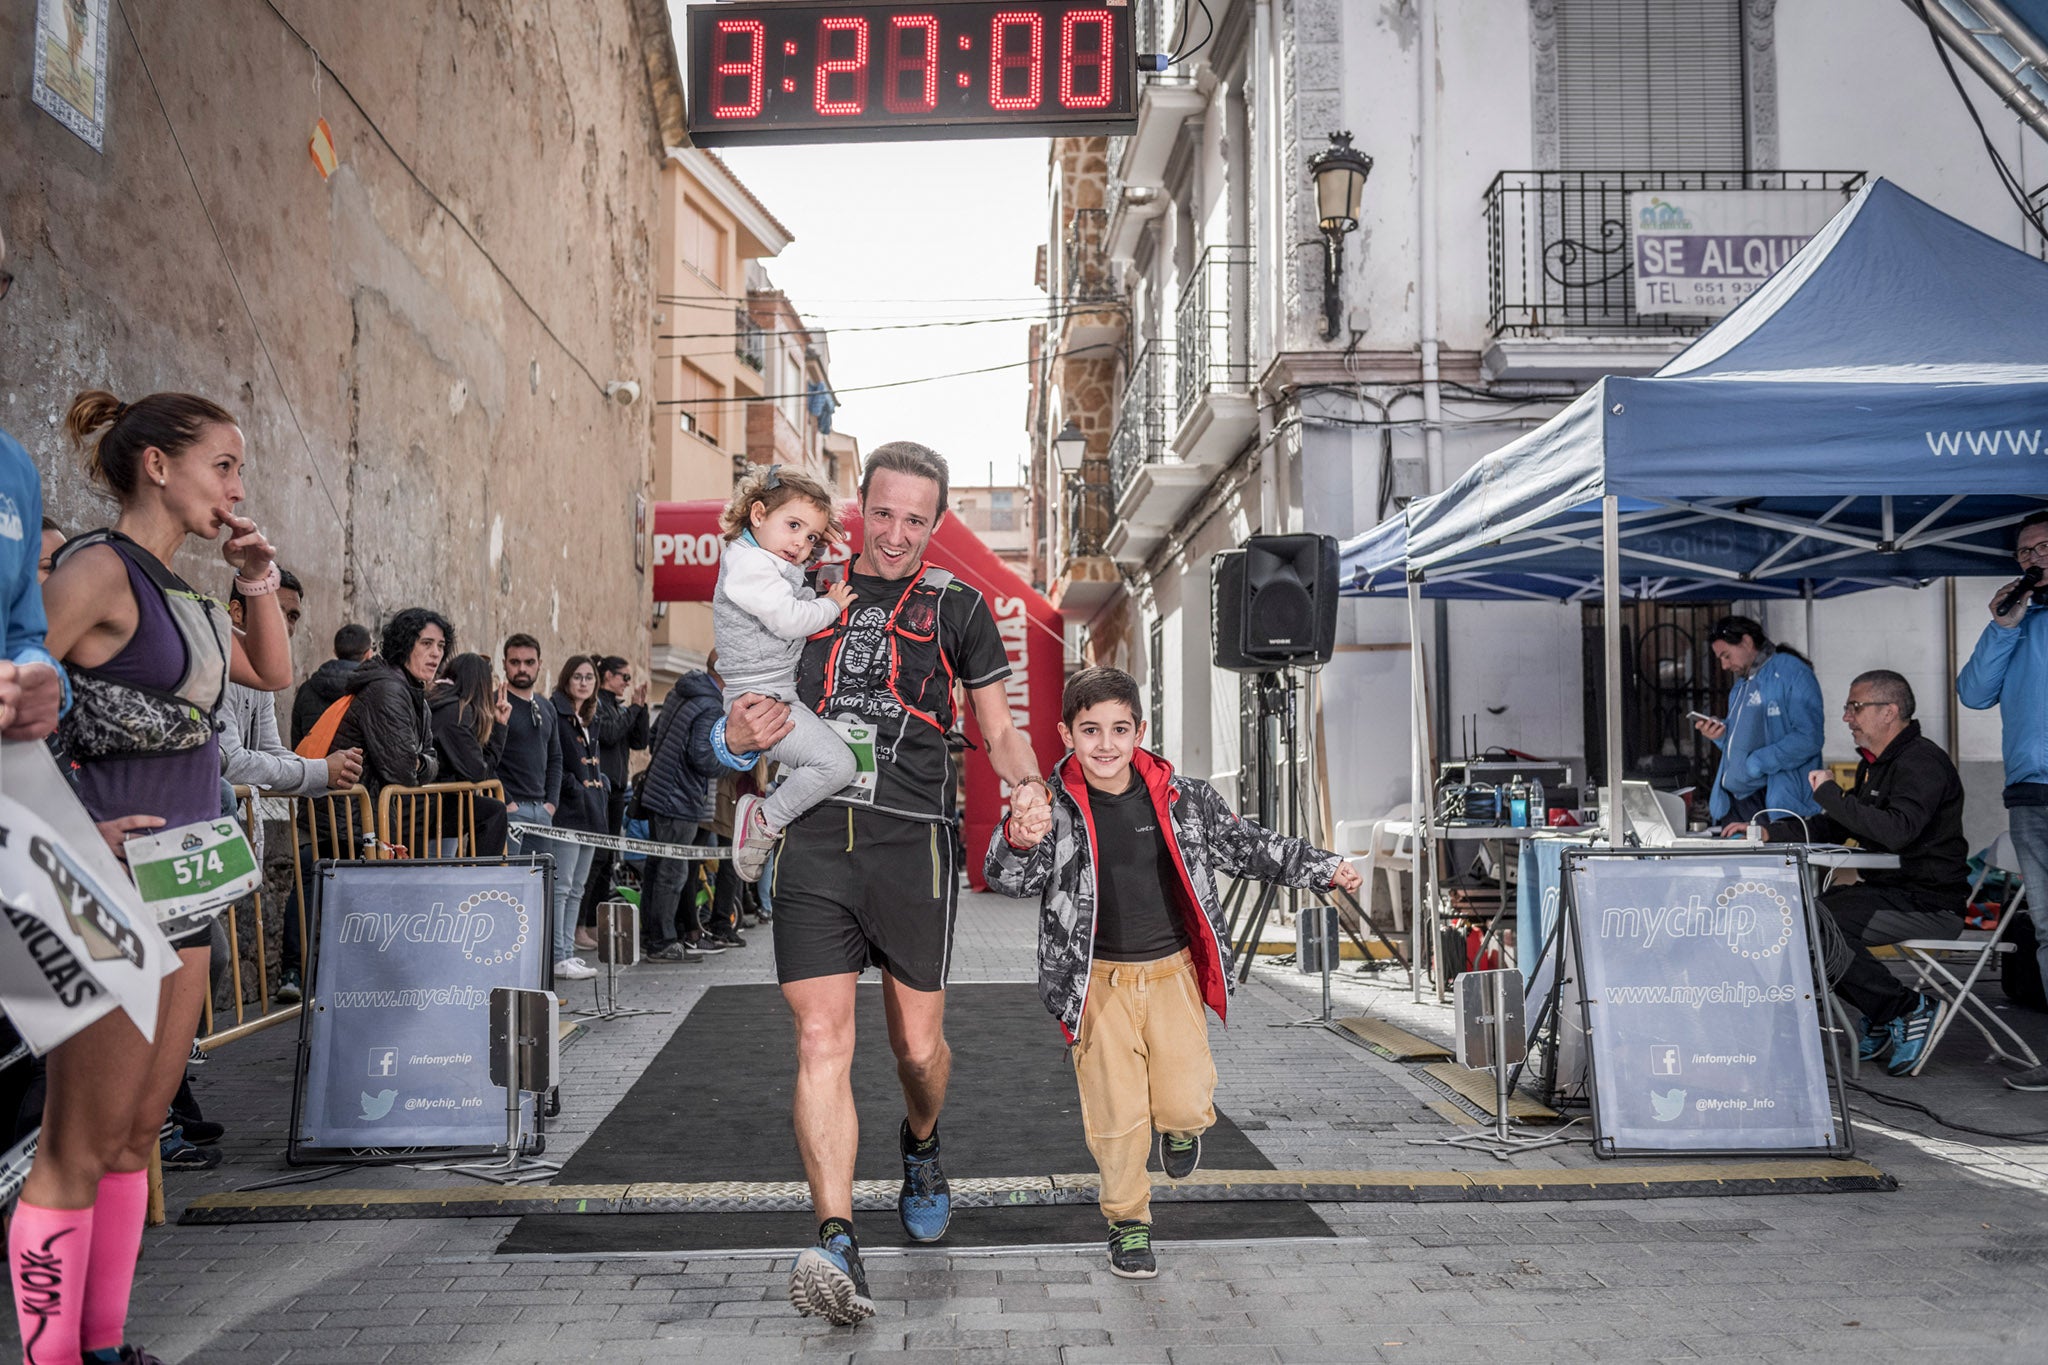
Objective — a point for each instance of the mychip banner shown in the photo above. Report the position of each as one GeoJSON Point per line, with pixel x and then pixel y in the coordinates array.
{"type": "Point", "coordinates": [395, 1036]}
{"type": "Point", "coordinates": [1700, 1009]}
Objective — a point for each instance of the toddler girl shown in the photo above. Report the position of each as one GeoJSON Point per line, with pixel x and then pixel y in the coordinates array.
{"type": "Point", "coordinates": [778, 522]}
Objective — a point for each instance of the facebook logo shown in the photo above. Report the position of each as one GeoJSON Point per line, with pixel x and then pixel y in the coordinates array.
{"type": "Point", "coordinates": [383, 1061]}
{"type": "Point", "coordinates": [1664, 1059]}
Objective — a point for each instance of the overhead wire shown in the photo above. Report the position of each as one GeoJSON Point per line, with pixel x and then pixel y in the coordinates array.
{"type": "Point", "coordinates": [880, 327]}
{"type": "Point", "coordinates": [856, 388]}
{"type": "Point", "coordinates": [2006, 178]}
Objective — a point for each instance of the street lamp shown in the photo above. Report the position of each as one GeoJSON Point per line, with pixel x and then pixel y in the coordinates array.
{"type": "Point", "coordinates": [1071, 445]}
{"type": "Point", "coordinates": [1339, 172]}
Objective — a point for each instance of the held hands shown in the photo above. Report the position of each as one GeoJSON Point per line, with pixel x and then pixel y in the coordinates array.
{"type": "Point", "coordinates": [344, 768]}
{"type": "Point", "coordinates": [247, 552]}
{"type": "Point", "coordinates": [841, 593]}
{"type": "Point", "coordinates": [1346, 878]}
{"type": "Point", "coordinates": [1030, 814]}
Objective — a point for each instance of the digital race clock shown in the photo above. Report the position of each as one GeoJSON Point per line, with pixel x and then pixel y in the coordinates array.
{"type": "Point", "coordinates": [868, 71]}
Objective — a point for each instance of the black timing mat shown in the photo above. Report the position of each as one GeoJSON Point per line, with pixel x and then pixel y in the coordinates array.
{"type": "Point", "coordinates": [715, 1106]}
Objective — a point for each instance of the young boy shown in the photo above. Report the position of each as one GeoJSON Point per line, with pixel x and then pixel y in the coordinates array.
{"type": "Point", "coordinates": [1131, 938]}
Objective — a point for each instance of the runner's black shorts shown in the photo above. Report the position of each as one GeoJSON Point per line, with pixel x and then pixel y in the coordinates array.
{"type": "Point", "coordinates": [856, 888]}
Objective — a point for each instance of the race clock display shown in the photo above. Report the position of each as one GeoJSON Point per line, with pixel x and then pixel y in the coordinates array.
{"type": "Point", "coordinates": [863, 71]}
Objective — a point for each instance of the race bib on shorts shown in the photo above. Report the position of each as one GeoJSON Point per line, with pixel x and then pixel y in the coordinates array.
{"type": "Point", "coordinates": [858, 736]}
{"type": "Point", "coordinates": [191, 870]}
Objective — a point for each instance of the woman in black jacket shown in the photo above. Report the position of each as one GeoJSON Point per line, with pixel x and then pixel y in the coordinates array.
{"type": "Point", "coordinates": [580, 803]}
{"type": "Point", "coordinates": [469, 714]}
{"type": "Point", "coordinates": [388, 717]}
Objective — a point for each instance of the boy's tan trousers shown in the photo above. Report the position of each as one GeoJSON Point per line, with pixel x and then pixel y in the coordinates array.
{"type": "Point", "coordinates": [1143, 1064]}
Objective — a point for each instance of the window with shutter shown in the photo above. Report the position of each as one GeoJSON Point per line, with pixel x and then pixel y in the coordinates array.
{"type": "Point", "coordinates": [1650, 85]}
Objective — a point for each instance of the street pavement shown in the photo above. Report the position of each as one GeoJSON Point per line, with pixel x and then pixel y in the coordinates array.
{"type": "Point", "coordinates": [1954, 1262]}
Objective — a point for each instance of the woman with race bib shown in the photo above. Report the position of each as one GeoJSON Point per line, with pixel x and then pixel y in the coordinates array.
{"type": "Point", "coordinates": [148, 659]}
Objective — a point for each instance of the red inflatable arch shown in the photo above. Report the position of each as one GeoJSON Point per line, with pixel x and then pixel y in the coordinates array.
{"type": "Point", "coordinates": [686, 550]}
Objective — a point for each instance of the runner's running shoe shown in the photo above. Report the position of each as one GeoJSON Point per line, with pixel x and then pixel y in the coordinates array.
{"type": "Point", "coordinates": [925, 1203]}
{"type": "Point", "coordinates": [1130, 1250]}
{"type": "Point", "coordinates": [828, 1281]}
{"type": "Point", "coordinates": [756, 842]}
{"type": "Point", "coordinates": [1178, 1156]}
{"type": "Point", "coordinates": [1910, 1032]}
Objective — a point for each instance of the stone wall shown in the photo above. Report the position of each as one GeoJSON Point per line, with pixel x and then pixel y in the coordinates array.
{"type": "Point", "coordinates": [417, 347]}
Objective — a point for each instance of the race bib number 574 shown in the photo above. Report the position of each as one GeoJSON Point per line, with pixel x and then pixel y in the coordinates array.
{"type": "Point", "coordinates": [193, 868]}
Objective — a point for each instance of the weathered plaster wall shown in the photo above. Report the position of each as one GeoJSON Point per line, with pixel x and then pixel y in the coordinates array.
{"type": "Point", "coordinates": [454, 453]}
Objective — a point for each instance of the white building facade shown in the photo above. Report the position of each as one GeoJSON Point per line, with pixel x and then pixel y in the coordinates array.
{"type": "Point", "coordinates": [1486, 284]}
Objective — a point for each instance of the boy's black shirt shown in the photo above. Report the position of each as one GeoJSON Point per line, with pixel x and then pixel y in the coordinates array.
{"type": "Point", "coordinates": [1135, 920]}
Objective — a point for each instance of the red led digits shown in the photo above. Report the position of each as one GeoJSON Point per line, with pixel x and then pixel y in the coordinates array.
{"type": "Point", "coordinates": [1072, 60]}
{"type": "Point", "coordinates": [1001, 61]}
{"type": "Point", "coordinates": [855, 66]}
{"type": "Point", "coordinates": [748, 68]}
{"type": "Point", "coordinates": [921, 67]}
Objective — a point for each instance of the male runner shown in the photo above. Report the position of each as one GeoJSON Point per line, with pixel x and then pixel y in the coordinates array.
{"type": "Point", "coordinates": [869, 878]}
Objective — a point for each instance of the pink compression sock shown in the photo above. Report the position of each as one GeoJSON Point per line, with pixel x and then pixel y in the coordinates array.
{"type": "Point", "coordinates": [47, 1253]}
{"type": "Point", "coordinates": [118, 1216]}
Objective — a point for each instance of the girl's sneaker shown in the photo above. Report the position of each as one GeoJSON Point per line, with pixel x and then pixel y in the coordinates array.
{"type": "Point", "coordinates": [756, 842]}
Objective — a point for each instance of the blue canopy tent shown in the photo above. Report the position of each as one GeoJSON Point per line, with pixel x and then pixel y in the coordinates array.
{"type": "Point", "coordinates": [1875, 414]}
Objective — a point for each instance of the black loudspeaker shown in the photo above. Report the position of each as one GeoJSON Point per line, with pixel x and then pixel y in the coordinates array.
{"type": "Point", "coordinates": [1273, 603]}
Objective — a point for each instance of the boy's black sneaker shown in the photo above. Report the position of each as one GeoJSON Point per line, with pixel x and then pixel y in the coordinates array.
{"type": "Point", "coordinates": [828, 1280]}
{"type": "Point", "coordinates": [1178, 1156]}
{"type": "Point", "coordinates": [1130, 1250]}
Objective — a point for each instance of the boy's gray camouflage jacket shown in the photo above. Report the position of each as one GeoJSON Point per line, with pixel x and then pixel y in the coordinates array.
{"type": "Point", "coordinates": [1205, 836]}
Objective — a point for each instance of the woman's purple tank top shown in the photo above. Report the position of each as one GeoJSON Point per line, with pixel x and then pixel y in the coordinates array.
{"type": "Point", "coordinates": [179, 788]}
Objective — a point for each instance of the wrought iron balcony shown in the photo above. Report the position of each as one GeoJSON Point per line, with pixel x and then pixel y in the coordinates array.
{"type": "Point", "coordinates": [1140, 435]}
{"type": "Point", "coordinates": [1089, 509]}
{"type": "Point", "coordinates": [1560, 255]}
{"type": "Point", "coordinates": [1212, 328]}
{"type": "Point", "coordinates": [749, 342]}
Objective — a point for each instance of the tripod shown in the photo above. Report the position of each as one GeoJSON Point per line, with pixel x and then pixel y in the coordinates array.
{"type": "Point", "coordinates": [1278, 729]}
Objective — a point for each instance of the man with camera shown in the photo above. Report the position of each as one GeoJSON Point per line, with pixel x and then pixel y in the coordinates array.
{"type": "Point", "coordinates": [2009, 670]}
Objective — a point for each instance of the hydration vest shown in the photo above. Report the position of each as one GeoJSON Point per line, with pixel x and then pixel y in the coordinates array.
{"type": "Point", "coordinates": [920, 676]}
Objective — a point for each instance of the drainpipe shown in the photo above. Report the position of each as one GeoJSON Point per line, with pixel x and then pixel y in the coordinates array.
{"type": "Point", "coordinates": [1426, 245]}
{"type": "Point", "coordinates": [1267, 254]}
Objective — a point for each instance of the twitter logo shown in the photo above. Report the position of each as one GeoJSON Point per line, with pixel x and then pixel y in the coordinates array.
{"type": "Point", "coordinates": [378, 1105]}
{"type": "Point", "coordinates": [1666, 1106]}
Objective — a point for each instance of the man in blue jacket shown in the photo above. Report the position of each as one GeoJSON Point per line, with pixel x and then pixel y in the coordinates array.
{"type": "Point", "coordinates": [675, 796]}
{"type": "Point", "coordinates": [2009, 670]}
{"type": "Point", "coordinates": [1772, 736]}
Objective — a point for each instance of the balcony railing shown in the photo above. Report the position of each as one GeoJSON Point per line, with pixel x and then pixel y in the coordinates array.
{"type": "Point", "coordinates": [749, 342]}
{"type": "Point", "coordinates": [1090, 508]}
{"type": "Point", "coordinates": [1211, 340]}
{"type": "Point", "coordinates": [1086, 277]}
{"type": "Point", "coordinates": [1140, 435]}
{"type": "Point", "coordinates": [1560, 255]}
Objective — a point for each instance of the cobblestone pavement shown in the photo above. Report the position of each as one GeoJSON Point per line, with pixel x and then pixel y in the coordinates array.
{"type": "Point", "coordinates": [1956, 1261]}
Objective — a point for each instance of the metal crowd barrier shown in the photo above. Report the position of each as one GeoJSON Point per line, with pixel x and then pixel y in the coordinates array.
{"type": "Point", "coordinates": [340, 826]}
{"type": "Point", "coordinates": [417, 822]}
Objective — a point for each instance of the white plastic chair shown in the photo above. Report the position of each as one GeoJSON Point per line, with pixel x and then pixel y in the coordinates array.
{"type": "Point", "coordinates": [1383, 850]}
{"type": "Point", "coordinates": [1931, 959]}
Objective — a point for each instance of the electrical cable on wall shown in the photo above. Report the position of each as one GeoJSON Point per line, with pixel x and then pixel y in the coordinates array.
{"type": "Point", "coordinates": [438, 201]}
{"type": "Point", "coordinates": [362, 572]}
